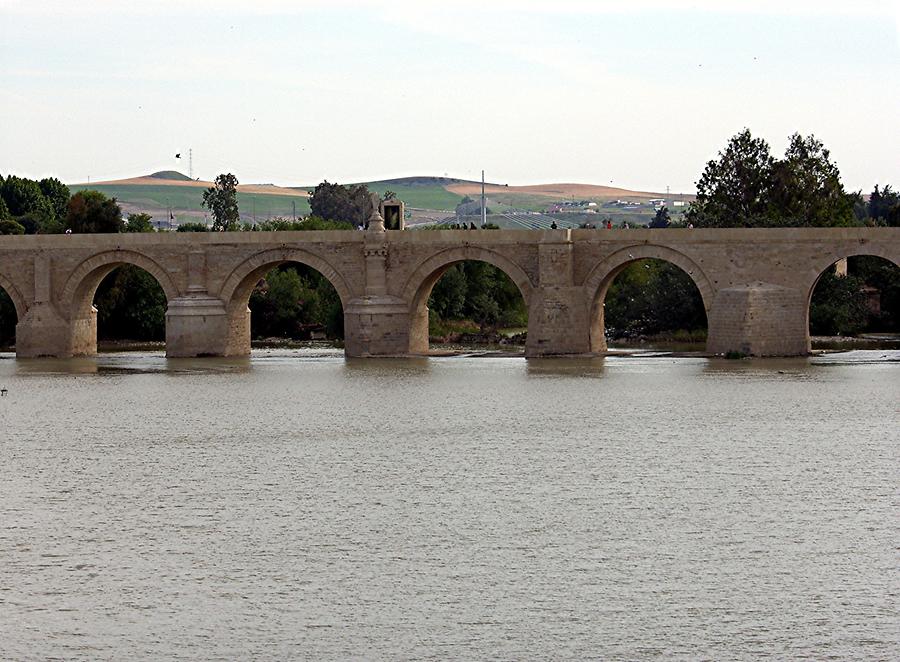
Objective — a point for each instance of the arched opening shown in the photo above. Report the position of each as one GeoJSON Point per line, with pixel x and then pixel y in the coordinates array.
{"type": "Point", "coordinates": [130, 300]}
{"type": "Point", "coordinates": [131, 308]}
{"type": "Point", "coordinates": [649, 300]}
{"type": "Point", "coordinates": [8, 320]}
{"type": "Point", "coordinates": [469, 301]}
{"type": "Point", "coordinates": [856, 297]}
{"type": "Point", "coordinates": [118, 306]}
{"type": "Point", "coordinates": [283, 301]}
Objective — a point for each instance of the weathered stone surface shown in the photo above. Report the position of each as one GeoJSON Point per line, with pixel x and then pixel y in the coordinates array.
{"type": "Point", "coordinates": [756, 284]}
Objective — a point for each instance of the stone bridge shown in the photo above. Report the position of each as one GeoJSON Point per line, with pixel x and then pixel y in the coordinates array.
{"type": "Point", "coordinates": [756, 284]}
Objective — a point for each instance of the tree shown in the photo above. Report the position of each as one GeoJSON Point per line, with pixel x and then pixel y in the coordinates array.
{"type": "Point", "coordinates": [650, 297]}
{"type": "Point", "coordinates": [884, 206]}
{"type": "Point", "coordinates": [221, 200]}
{"type": "Point", "coordinates": [859, 205]}
{"type": "Point", "coordinates": [806, 187]}
{"type": "Point", "coordinates": [139, 223]}
{"type": "Point", "coordinates": [8, 226]}
{"type": "Point", "coordinates": [4, 211]}
{"type": "Point", "coordinates": [478, 291]}
{"type": "Point", "coordinates": [389, 195]}
{"type": "Point", "coordinates": [57, 195]}
{"type": "Point", "coordinates": [294, 300]}
{"type": "Point", "coordinates": [747, 187]}
{"type": "Point", "coordinates": [193, 227]}
{"type": "Point", "coordinates": [838, 306]}
{"type": "Point", "coordinates": [93, 212]}
{"type": "Point", "coordinates": [316, 223]}
{"type": "Point", "coordinates": [734, 189]}
{"type": "Point", "coordinates": [334, 202]}
{"type": "Point", "coordinates": [448, 297]}
{"type": "Point", "coordinates": [23, 195]}
{"type": "Point", "coordinates": [661, 220]}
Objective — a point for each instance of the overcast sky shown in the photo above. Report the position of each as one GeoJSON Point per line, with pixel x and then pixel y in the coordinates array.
{"type": "Point", "coordinates": [637, 93]}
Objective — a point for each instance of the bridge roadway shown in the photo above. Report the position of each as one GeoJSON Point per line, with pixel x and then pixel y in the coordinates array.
{"type": "Point", "coordinates": [756, 284]}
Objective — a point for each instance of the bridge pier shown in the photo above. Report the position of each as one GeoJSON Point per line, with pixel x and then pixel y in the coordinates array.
{"type": "Point", "coordinates": [759, 320]}
{"type": "Point", "coordinates": [557, 322]}
{"type": "Point", "coordinates": [43, 332]}
{"type": "Point", "coordinates": [198, 325]}
{"type": "Point", "coordinates": [377, 326]}
{"type": "Point", "coordinates": [557, 319]}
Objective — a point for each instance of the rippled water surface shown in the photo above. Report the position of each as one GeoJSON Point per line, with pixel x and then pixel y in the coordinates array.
{"type": "Point", "coordinates": [299, 505]}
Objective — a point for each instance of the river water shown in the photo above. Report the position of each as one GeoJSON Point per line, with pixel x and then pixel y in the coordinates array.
{"type": "Point", "coordinates": [299, 505]}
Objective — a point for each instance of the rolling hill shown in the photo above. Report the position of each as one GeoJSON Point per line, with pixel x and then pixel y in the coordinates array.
{"type": "Point", "coordinates": [165, 192]}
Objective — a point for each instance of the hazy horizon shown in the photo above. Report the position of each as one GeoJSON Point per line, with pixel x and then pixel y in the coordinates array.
{"type": "Point", "coordinates": [636, 95]}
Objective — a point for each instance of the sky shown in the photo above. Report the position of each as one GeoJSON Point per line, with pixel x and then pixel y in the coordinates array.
{"type": "Point", "coordinates": [638, 94]}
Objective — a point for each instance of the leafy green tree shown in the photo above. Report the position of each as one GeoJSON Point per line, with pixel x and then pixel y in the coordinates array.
{"type": "Point", "coordinates": [806, 187]}
{"type": "Point", "coordinates": [9, 226]}
{"type": "Point", "coordinates": [139, 222]}
{"type": "Point", "coordinates": [661, 220]}
{"type": "Point", "coordinates": [747, 187]}
{"type": "Point", "coordinates": [734, 190]}
{"type": "Point", "coordinates": [4, 210]}
{"type": "Point", "coordinates": [884, 206]}
{"type": "Point", "coordinates": [349, 204]}
{"type": "Point", "coordinates": [838, 306]}
{"type": "Point", "coordinates": [294, 300]}
{"type": "Point", "coordinates": [389, 195]}
{"type": "Point", "coordinates": [23, 195]}
{"type": "Point", "coordinates": [651, 297]}
{"type": "Point", "coordinates": [485, 310]}
{"type": "Point", "coordinates": [317, 223]}
{"type": "Point", "coordinates": [193, 227]}
{"type": "Point", "coordinates": [477, 291]}
{"type": "Point", "coordinates": [448, 297]}
{"type": "Point", "coordinates": [884, 276]}
{"type": "Point", "coordinates": [92, 212]}
{"type": "Point", "coordinates": [859, 205]}
{"type": "Point", "coordinates": [57, 195]}
{"type": "Point", "coordinates": [221, 200]}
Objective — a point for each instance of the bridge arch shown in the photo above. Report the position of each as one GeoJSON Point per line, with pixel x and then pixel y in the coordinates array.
{"type": "Point", "coordinates": [598, 281]}
{"type": "Point", "coordinates": [238, 286]}
{"type": "Point", "coordinates": [77, 298]}
{"type": "Point", "coordinates": [419, 285]}
{"type": "Point", "coordinates": [14, 294]}
{"type": "Point", "coordinates": [244, 277]}
{"type": "Point", "coordinates": [817, 270]}
{"type": "Point", "coordinates": [78, 293]}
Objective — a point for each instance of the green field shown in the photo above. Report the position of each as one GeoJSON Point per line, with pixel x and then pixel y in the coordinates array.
{"type": "Point", "coordinates": [419, 196]}
{"type": "Point", "coordinates": [157, 199]}
{"type": "Point", "coordinates": [417, 192]}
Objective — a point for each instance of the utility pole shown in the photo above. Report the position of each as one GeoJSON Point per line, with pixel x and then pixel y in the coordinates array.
{"type": "Point", "coordinates": [483, 208]}
{"type": "Point", "coordinates": [190, 162]}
